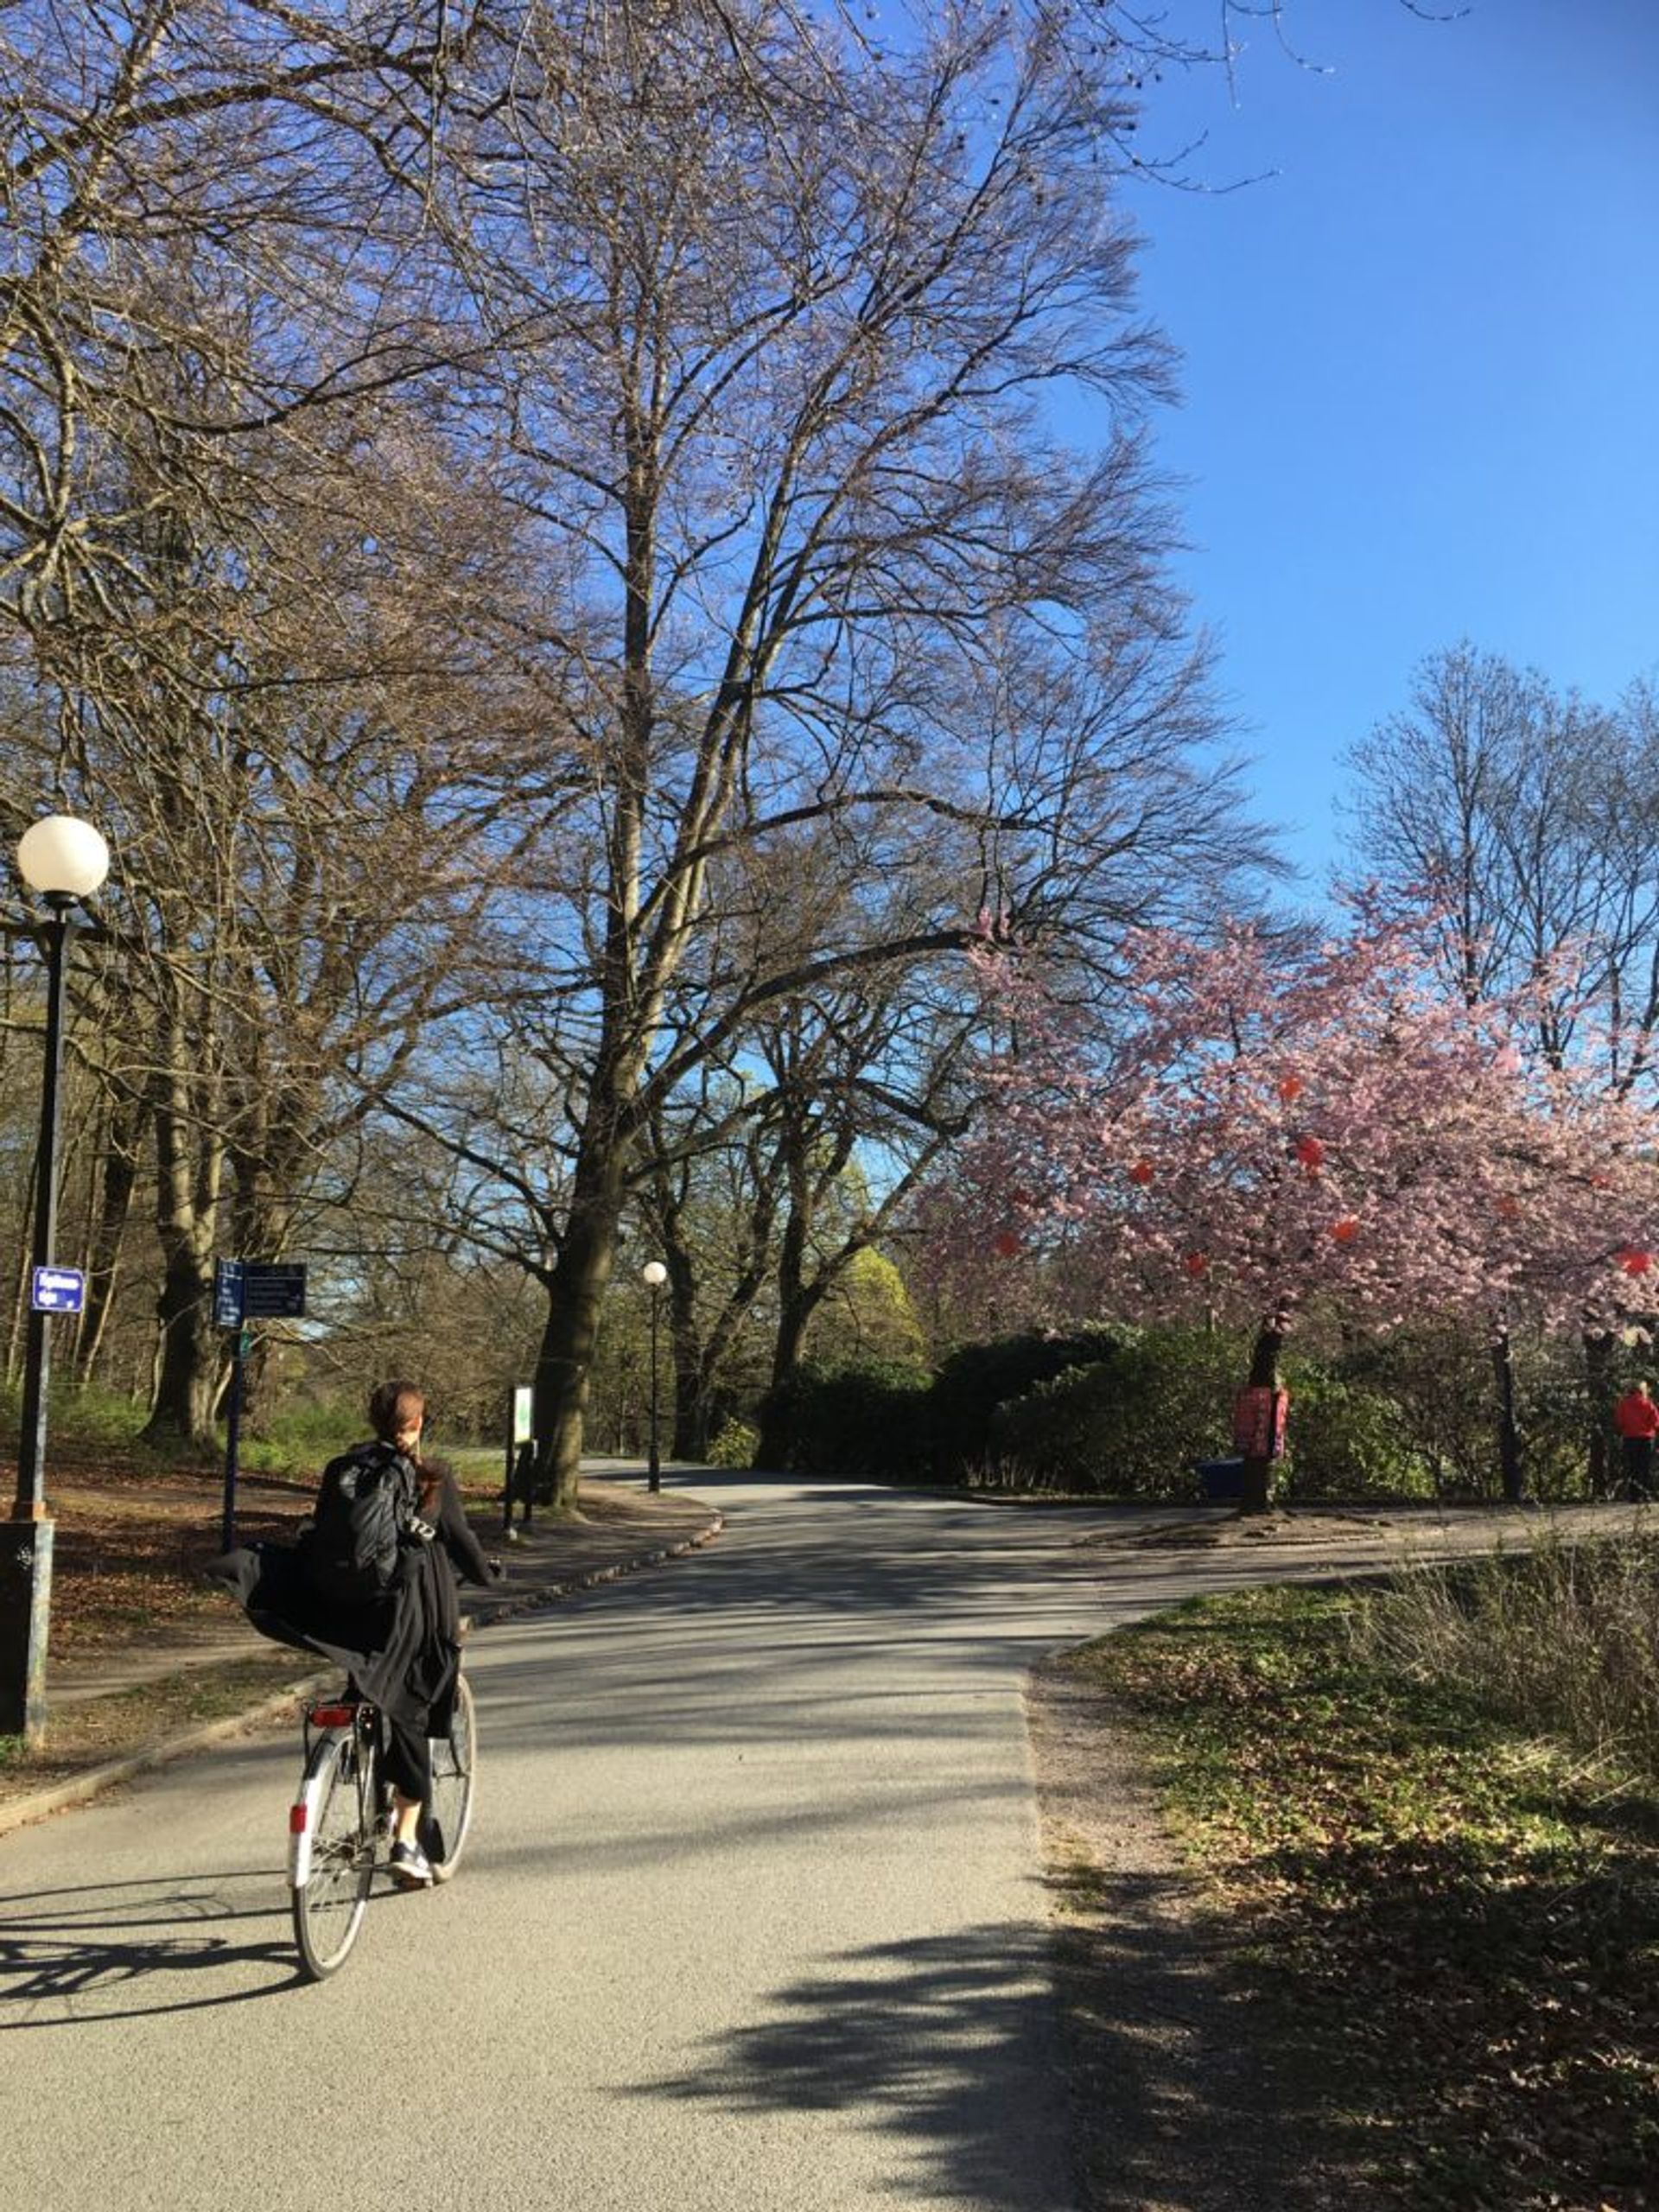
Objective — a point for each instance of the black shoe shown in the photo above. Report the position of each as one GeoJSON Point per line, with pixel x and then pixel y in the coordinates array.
{"type": "Point", "coordinates": [410, 1867]}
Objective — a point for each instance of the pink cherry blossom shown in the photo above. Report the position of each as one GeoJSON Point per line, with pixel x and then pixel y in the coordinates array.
{"type": "Point", "coordinates": [1320, 1125]}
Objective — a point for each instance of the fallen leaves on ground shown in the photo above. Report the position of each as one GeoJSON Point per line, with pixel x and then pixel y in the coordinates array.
{"type": "Point", "coordinates": [1463, 1921]}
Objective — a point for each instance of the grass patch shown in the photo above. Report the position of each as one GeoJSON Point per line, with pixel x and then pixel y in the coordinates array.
{"type": "Point", "coordinates": [1563, 1639]}
{"type": "Point", "coordinates": [1456, 1909]}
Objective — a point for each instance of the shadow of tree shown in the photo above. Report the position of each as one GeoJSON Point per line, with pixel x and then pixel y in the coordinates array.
{"type": "Point", "coordinates": [122, 1951]}
{"type": "Point", "coordinates": [945, 2045]}
{"type": "Point", "coordinates": [1501, 2015]}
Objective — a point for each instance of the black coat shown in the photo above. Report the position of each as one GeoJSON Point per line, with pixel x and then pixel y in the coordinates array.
{"type": "Point", "coordinates": [401, 1651]}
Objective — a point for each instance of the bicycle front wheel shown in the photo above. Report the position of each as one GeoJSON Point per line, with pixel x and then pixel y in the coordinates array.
{"type": "Point", "coordinates": [455, 1780]}
{"type": "Point", "coordinates": [329, 1906]}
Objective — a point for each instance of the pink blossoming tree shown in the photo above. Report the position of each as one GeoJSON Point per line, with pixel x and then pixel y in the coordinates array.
{"type": "Point", "coordinates": [1276, 1130]}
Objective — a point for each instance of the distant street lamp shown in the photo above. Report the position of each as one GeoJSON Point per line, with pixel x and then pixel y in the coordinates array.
{"type": "Point", "coordinates": [654, 1275]}
{"type": "Point", "coordinates": [63, 860]}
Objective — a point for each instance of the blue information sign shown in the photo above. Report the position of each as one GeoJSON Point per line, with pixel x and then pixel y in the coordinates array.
{"type": "Point", "coordinates": [273, 1290]}
{"type": "Point", "coordinates": [58, 1290]}
{"type": "Point", "coordinates": [258, 1290]}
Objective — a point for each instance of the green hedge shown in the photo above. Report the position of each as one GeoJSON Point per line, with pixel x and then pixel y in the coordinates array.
{"type": "Point", "coordinates": [1348, 1442]}
{"type": "Point", "coordinates": [1123, 1412]}
{"type": "Point", "coordinates": [866, 1421]}
{"type": "Point", "coordinates": [1132, 1424]}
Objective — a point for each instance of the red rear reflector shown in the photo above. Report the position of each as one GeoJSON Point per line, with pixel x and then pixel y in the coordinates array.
{"type": "Point", "coordinates": [333, 1716]}
{"type": "Point", "coordinates": [297, 1818]}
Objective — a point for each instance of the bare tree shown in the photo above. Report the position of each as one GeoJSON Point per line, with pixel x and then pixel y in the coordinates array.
{"type": "Point", "coordinates": [783, 310]}
{"type": "Point", "coordinates": [299, 763]}
{"type": "Point", "coordinates": [1530, 817]}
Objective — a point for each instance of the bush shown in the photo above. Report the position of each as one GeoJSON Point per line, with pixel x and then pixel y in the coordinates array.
{"type": "Point", "coordinates": [1348, 1442]}
{"type": "Point", "coordinates": [1131, 1424]}
{"type": "Point", "coordinates": [978, 1379]}
{"type": "Point", "coordinates": [864, 1421]}
{"type": "Point", "coordinates": [735, 1444]}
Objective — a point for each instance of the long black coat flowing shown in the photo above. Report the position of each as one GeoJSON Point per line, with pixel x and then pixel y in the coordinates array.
{"type": "Point", "coordinates": [401, 1651]}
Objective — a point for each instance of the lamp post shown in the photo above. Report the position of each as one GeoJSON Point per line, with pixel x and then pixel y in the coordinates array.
{"type": "Point", "coordinates": [654, 1275]}
{"type": "Point", "coordinates": [63, 860]}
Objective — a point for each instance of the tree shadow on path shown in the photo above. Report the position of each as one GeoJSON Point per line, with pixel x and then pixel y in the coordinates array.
{"type": "Point", "coordinates": [125, 1950]}
{"type": "Point", "coordinates": [945, 2045]}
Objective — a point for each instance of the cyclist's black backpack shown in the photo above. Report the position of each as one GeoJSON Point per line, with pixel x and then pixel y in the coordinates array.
{"type": "Point", "coordinates": [367, 1501]}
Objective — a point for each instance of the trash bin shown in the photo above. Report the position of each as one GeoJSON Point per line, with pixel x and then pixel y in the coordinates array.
{"type": "Point", "coordinates": [1222, 1481]}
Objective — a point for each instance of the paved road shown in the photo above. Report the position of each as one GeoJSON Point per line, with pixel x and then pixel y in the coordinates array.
{"type": "Point", "coordinates": [753, 1918]}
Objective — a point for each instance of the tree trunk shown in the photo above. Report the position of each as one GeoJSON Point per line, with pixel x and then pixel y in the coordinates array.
{"type": "Point", "coordinates": [1601, 1388]}
{"type": "Point", "coordinates": [187, 1373]}
{"type": "Point", "coordinates": [576, 1296]}
{"type": "Point", "coordinates": [688, 1357]}
{"type": "Point", "coordinates": [1509, 1434]}
{"type": "Point", "coordinates": [189, 1173]}
{"type": "Point", "coordinates": [1256, 1495]}
{"type": "Point", "coordinates": [118, 1178]}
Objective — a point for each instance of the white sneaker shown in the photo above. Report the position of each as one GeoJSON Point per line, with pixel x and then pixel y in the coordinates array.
{"type": "Point", "coordinates": [410, 1867]}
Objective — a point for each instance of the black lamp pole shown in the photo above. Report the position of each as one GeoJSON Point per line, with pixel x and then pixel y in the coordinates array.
{"type": "Point", "coordinates": [26, 1541]}
{"type": "Point", "coordinates": [62, 860]}
{"type": "Point", "coordinates": [654, 1275]}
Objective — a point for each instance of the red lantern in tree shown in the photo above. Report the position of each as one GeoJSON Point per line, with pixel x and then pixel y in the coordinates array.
{"type": "Point", "coordinates": [1141, 1173]}
{"type": "Point", "coordinates": [1311, 1153]}
{"type": "Point", "coordinates": [1634, 1260]}
{"type": "Point", "coordinates": [1346, 1230]}
{"type": "Point", "coordinates": [1005, 1244]}
{"type": "Point", "coordinates": [1198, 1263]}
{"type": "Point", "coordinates": [1290, 1088]}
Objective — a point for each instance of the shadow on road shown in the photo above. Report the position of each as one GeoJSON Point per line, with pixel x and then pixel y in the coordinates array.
{"type": "Point", "coordinates": [122, 1951]}
{"type": "Point", "coordinates": [946, 2044]}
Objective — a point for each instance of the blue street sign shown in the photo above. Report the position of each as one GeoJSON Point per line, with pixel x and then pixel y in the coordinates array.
{"type": "Point", "coordinates": [258, 1290]}
{"type": "Point", "coordinates": [58, 1290]}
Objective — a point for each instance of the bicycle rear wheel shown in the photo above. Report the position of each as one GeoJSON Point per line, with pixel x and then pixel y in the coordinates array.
{"type": "Point", "coordinates": [329, 1906]}
{"type": "Point", "coordinates": [455, 1780]}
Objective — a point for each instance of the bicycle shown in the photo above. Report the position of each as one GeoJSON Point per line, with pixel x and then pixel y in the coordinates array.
{"type": "Point", "coordinates": [339, 1824]}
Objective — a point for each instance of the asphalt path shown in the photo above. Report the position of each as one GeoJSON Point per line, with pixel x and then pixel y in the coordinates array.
{"type": "Point", "coordinates": [752, 1919]}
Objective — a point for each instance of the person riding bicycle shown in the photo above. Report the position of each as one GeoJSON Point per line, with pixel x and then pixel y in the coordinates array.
{"type": "Point", "coordinates": [401, 1649]}
{"type": "Point", "coordinates": [414, 1683]}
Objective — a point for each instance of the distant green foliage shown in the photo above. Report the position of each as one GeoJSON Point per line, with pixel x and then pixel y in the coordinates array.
{"type": "Point", "coordinates": [734, 1444]}
{"type": "Point", "coordinates": [297, 1438]}
{"type": "Point", "coordinates": [980, 1379]}
{"type": "Point", "coordinates": [88, 1416]}
{"type": "Point", "coordinates": [1442, 1378]}
{"type": "Point", "coordinates": [866, 1318]}
{"type": "Point", "coordinates": [1121, 1412]}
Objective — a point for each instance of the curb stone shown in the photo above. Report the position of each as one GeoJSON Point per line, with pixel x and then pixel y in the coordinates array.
{"type": "Point", "coordinates": [80, 1788]}
{"type": "Point", "coordinates": [494, 1610]}
{"type": "Point", "coordinates": [22, 1812]}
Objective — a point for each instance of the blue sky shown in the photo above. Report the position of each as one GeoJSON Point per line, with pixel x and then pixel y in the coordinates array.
{"type": "Point", "coordinates": [1421, 362]}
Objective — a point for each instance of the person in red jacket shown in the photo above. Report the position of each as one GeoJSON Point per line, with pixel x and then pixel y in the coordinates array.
{"type": "Point", "coordinates": [1636, 1418]}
